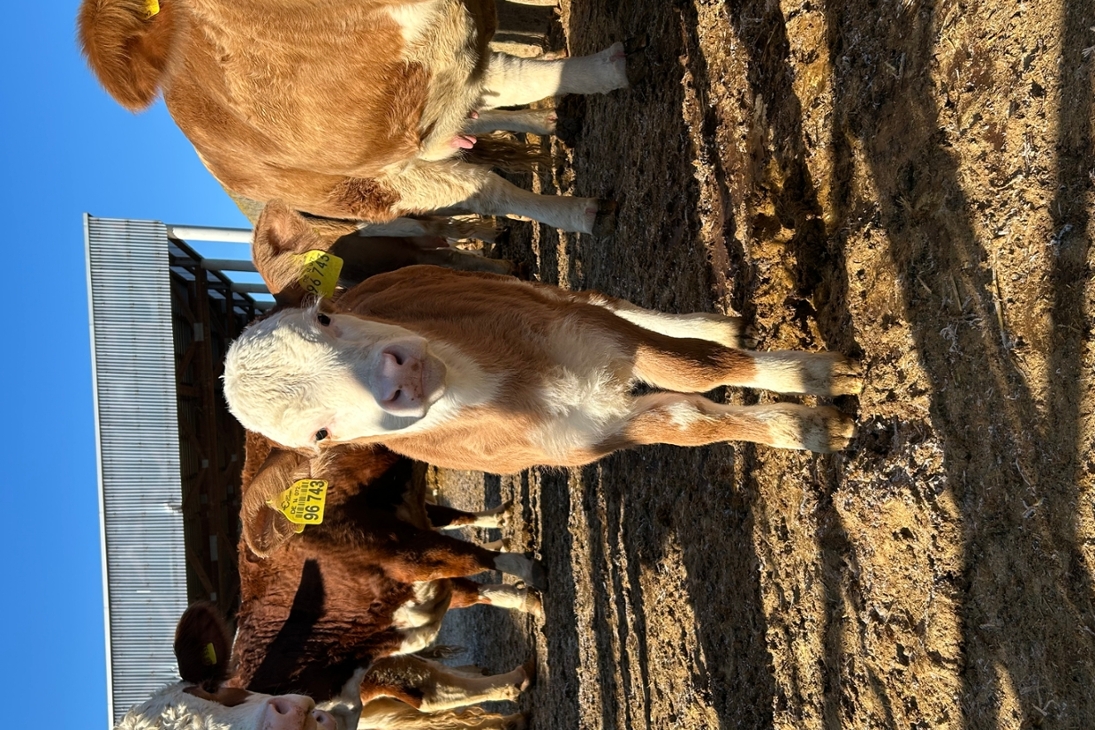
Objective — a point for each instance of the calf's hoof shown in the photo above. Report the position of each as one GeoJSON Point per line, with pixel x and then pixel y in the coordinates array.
{"type": "Point", "coordinates": [827, 430]}
{"type": "Point", "coordinates": [638, 65]}
{"type": "Point", "coordinates": [529, 668]}
{"type": "Point", "coordinates": [846, 377]}
{"type": "Point", "coordinates": [569, 130]}
{"type": "Point", "coordinates": [528, 569]}
{"type": "Point", "coordinates": [533, 604]}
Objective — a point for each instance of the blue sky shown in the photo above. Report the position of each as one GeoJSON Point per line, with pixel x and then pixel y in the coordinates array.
{"type": "Point", "coordinates": [68, 148]}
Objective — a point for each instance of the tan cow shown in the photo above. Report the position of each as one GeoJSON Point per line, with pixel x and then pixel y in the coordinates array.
{"type": "Point", "coordinates": [478, 371]}
{"type": "Point", "coordinates": [358, 110]}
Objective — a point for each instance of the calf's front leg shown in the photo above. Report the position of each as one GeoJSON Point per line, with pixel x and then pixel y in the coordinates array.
{"type": "Point", "coordinates": [467, 593]}
{"type": "Point", "coordinates": [697, 366]}
{"type": "Point", "coordinates": [685, 419]}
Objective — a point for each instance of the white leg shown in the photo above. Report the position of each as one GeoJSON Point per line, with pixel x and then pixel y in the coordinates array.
{"type": "Point", "coordinates": [809, 373]}
{"type": "Point", "coordinates": [522, 567]}
{"type": "Point", "coordinates": [494, 518]}
{"type": "Point", "coordinates": [518, 598]}
{"type": "Point", "coordinates": [513, 81]}
{"type": "Point", "coordinates": [454, 184]}
{"type": "Point", "coordinates": [697, 325]}
{"type": "Point", "coordinates": [501, 197]}
{"type": "Point", "coordinates": [434, 226]}
{"type": "Point", "coordinates": [456, 689]}
{"type": "Point", "coordinates": [535, 121]}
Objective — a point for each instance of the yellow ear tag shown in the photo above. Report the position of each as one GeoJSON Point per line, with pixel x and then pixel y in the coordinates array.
{"type": "Point", "coordinates": [209, 655]}
{"type": "Point", "coordinates": [151, 8]}
{"type": "Point", "coordinates": [319, 272]}
{"type": "Point", "coordinates": [302, 504]}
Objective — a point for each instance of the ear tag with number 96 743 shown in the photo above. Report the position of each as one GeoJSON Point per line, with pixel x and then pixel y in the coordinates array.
{"type": "Point", "coordinates": [319, 272]}
{"type": "Point", "coordinates": [302, 504]}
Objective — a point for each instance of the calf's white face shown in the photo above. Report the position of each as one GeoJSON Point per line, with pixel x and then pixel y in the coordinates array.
{"type": "Point", "coordinates": [176, 708]}
{"type": "Point", "coordinates": [303, 377]}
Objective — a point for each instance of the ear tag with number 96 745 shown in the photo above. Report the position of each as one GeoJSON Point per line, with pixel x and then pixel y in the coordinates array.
{"type": "Point", "coordinates": [302, 504]}
{"type": "Point", "coordinates": [319, 272]}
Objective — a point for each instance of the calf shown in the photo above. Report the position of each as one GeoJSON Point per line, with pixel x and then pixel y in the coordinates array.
{"type": "Point", "coordinates": [385, 694]}
{"type": "Point", "coordinates": [373, 579]}
{"type": "Point", "coordinates": [476, 371]}
{"type": "Point", "coordinates": [358, 110]}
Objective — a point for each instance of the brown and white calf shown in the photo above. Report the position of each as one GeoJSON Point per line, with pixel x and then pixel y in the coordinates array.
{"type": "Point", "coordinates": [476, 371]}
{"type": "Point", "coordinates": [393, 692]}
{"type": "Point", "coordinates": [374, 579]}
{"type": "Point", "coordinates": [358, 110]}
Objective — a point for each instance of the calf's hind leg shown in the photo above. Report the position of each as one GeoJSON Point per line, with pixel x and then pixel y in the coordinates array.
{"type": "Point", "coordinates": [453, 185]}
{"type": "Point", "coordinates": [513, 81]}
{"type": "Point", "coordinates": [726, 331]}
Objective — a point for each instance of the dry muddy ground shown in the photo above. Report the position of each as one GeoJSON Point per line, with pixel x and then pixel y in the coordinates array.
{"type": "Point", "coordinates": [908, 182]}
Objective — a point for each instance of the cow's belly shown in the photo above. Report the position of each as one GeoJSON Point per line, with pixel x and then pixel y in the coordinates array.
{"type": "Point", "coordinates": [443, 37]}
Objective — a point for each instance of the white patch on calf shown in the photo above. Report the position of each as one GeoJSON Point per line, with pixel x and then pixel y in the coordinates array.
{"type": "Point", "coordinates": [683, 414]}
{"type": "Point", "coordinates": [414, 19]}
{"type": "Point", "coordinates": [586, 396]}
{"type": "Point", "coordinates": [419, 619]}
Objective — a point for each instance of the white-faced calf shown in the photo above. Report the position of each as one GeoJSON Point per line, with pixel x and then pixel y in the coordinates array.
{"type": "Point", "coordinates": [476, 371]}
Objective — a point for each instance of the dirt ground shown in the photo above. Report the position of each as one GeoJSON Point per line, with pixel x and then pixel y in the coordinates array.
{"type": "Point", "coordinates": [908, 182]}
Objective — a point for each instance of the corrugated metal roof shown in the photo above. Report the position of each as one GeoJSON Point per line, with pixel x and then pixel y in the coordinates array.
{"type": "Point", "coordinates": [133, 366]}
{"type": "Point", "coordinates": [134, 273]}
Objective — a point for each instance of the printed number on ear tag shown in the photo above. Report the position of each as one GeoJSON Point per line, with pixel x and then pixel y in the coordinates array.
{"type": "Point", "coordinates": [319, 272]}
{"type": "Point", "coordinates": [303, 503]}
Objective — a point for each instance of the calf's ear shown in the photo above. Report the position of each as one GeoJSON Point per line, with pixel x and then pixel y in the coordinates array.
{"type": "Point", "coordinates": [264, 528]}
{"type": "Point", "coordinates": [280, 235]}
{"type": "Point", "coordinates": [203, 646]}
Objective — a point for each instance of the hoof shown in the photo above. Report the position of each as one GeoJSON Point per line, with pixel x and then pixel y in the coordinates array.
{"type": "Point", "coordinates": [605, 222]}
{"type": "Point", "coordinates": [846, 377]}
{"type": "Point", "coordinates": [832, 431]}
{"type": "Point", "coordinates": [533, 604]}
{"type": "Point", "coordinates": [569, 130]}
{"type": "Point", "coordinates": [537, 575]}
{"type": "Point", "coordinates": [636, 43]}
{"type": "Point", "coordinates": [529, 668]}
{"type": "Point", "coordinates": [522, 271]}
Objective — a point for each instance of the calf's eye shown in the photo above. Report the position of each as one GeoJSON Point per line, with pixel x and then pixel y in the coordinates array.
{"type": "Point", "coordinates": [321, 434]}
{"type": "Point", "coordinates": [323, 319]}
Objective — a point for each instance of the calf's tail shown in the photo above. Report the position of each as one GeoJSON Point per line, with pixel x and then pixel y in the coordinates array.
{"type": "Point", "coordinates": [128, 45]}
{"type": "Point", "coordinates": [506, 152]}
